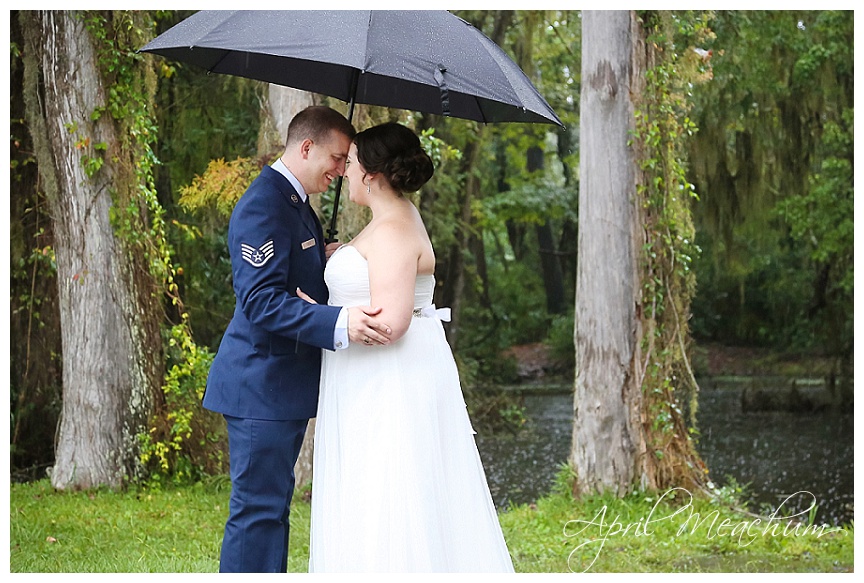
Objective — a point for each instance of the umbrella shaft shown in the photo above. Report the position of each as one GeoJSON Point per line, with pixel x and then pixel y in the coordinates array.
{"type": "Point", "coordinates": [331, 231]}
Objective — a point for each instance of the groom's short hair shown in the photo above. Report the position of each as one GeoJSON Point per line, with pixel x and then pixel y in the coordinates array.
{"type": "Point", "coordinates": [315, 123]}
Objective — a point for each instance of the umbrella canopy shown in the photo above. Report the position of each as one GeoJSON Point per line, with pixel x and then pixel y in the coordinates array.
{"type": "Point", "coordinates": [426, 60]}
{"type": "Point", "coordinates": [421, 60]}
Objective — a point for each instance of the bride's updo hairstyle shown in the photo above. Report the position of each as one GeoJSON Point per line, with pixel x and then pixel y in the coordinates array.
{"type": "Point", "coordinates": [395, 152]}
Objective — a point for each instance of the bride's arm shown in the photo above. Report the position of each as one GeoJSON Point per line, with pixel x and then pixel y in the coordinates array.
{"type": "Point", "coordinates": [392, 258]}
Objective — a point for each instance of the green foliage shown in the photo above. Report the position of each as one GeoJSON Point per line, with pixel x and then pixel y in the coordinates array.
{"type": "Point", "coordinates": [439, 150]}
{"type": "Point", "coordinates": [33, 392]}
{"type": "Point", "coordinates": [444, 188]}
{"type": "Point", "coordinates": [822, 218]}
{"type": "Point", "coordinates": [780, 103]}
{"type": "Point", "coordinates": [516, 292]}
{"type": "Point", "coordinates": [821, 224]}
{"type": "Point", "coordinates": [205, 276]}
{"type": "Point", "coordinates": [40, 262]}
{"type": "Point", "coordinates": [529, 203]}
{"type": "Point", "coordinates": [186, 443]}
{"type": "Point", "coordinates": [137, 215]}
{"type": "Point", "coordinates": [129, 92]}
{"type": "Point", "coordinates": [202, 118]}
{"type": "Point", "coordinates": [483, 209]}
{"type": "Point", "coordinates": [199, 235]}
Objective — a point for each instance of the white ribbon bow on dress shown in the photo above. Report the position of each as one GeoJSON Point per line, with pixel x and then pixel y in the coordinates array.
{"type": "Point", "coordinates": [431, 311]}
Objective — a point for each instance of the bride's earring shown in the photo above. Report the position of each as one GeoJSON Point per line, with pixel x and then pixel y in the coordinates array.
{"type": "Point", "coordinates": [369, 187]}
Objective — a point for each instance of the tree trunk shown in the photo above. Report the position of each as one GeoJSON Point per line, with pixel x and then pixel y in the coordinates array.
{"type": "Point", "coordinates": [553, 278]}
{"type": "Point", "coordinates": [629, 432]}
{"type": "Point", "coordinates": [112, 358]}
{"type": "Point", "coordinates": [454, 267]}
{"type": "Point", "coordinates": [607, 446]}
{"type": "Point", "coordinates": [283, 104]}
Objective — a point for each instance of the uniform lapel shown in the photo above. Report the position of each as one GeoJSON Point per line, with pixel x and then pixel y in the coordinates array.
{"type": "Point", "coordinates": [307, 215]}
{"type": "Point", "coordinates": [309, 218]}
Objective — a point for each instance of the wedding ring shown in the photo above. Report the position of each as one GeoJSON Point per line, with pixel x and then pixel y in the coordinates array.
{"type": "Point", "coordinates": [366, 341]}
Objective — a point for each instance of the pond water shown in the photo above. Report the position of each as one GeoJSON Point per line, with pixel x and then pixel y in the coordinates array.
{"type": "Point", "coordinates": [773, 454]}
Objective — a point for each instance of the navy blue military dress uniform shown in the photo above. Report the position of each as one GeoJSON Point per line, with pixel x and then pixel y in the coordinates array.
{"type": "Point", "coordinates": [264, 378]}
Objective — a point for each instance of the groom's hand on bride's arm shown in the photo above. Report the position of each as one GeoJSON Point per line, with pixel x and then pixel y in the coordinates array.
{"type": "Point", "coordinates": [364, 328]}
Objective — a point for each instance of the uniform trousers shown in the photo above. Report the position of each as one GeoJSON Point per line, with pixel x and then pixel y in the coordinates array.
{"type": "Point", "coordinates": [262, 457]}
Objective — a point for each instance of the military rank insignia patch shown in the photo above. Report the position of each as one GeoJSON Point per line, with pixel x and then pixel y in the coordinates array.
{"type": "Point", "coordinates": [257, 256]}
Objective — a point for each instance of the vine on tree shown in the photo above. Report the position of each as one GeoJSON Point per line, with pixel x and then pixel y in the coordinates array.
{"type": "Point", "coordinates": [675, 62]}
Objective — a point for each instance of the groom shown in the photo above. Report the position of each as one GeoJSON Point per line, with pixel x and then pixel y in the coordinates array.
{"type": "Point", "coordinates": [264, 378]}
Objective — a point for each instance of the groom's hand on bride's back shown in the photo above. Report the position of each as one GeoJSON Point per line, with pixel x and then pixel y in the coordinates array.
{"type": "Point", "coordinates": [365, 328]}
{"type": "Point", "coordinates": [331, 248]}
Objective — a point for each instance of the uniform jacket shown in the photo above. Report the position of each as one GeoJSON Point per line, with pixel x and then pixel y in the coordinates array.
{"type": "Point", "coordinates": [269, 361]}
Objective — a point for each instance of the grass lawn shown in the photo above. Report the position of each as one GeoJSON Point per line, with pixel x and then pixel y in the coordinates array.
{"type": "Point", "coordinates": [180, 530]}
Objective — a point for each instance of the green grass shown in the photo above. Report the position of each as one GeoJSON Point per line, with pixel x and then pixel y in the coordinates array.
{"type": "Point", "coordinates": [180, 529]}
{"type": "Point", "coordinates": [654, 533]}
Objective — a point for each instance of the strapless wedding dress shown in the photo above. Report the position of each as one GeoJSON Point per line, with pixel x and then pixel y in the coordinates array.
{"type": "Point", "coordinates": [397, 481]}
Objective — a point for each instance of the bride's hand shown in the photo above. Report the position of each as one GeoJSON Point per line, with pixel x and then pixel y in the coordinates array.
{"type": "Point", "coordinates": [304, 296]}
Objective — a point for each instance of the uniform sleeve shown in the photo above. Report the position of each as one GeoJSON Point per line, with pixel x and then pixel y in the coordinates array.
{"type": "Point", "coordinates": [268, 264]}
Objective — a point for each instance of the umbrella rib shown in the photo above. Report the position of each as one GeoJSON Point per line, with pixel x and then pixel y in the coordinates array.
{"type": "Point", "coordinates": [224, 56]}
{"type": "Point", "coordinates": [227, 16]}
{"type": "Point", "coordinates": [480, 109]}
{"type": "Point", "coordinates": [365, 49]}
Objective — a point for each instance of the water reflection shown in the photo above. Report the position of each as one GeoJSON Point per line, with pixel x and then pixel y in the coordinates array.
{"type": "Point", "coordinates": [775, 454]}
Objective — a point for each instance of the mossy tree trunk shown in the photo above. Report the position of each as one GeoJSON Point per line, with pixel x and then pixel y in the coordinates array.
{"type": "Point", "coordinates": [109, 308]}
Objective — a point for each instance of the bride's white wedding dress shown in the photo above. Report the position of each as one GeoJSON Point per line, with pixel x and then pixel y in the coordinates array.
{"type": "Point", "coordinates": [397, 482]}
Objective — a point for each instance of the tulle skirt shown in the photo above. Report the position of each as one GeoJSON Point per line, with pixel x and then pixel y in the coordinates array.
{"type": "Point", "coordinates": [398, 485]}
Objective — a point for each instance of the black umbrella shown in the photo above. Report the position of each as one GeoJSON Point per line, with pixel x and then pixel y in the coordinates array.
{"type": "Point", "coordinates": [425, 60]}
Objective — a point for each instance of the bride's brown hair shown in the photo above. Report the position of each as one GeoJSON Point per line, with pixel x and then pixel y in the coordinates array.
{"type": "Point", "coordinates": [394, 151]}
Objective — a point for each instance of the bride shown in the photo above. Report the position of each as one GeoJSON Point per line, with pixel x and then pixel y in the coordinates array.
{"type": "Point", "coordinates": [398, 484]}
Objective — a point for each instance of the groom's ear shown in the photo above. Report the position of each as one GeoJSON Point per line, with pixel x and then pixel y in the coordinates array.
{"type": "Point", "coordinates": [305, 147]}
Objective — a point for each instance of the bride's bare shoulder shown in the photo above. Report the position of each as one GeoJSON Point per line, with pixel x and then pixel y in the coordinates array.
{"type": "Point", "coordinates": [404, 224]}
{"type": "Point", "coordinates": [398, 231]}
